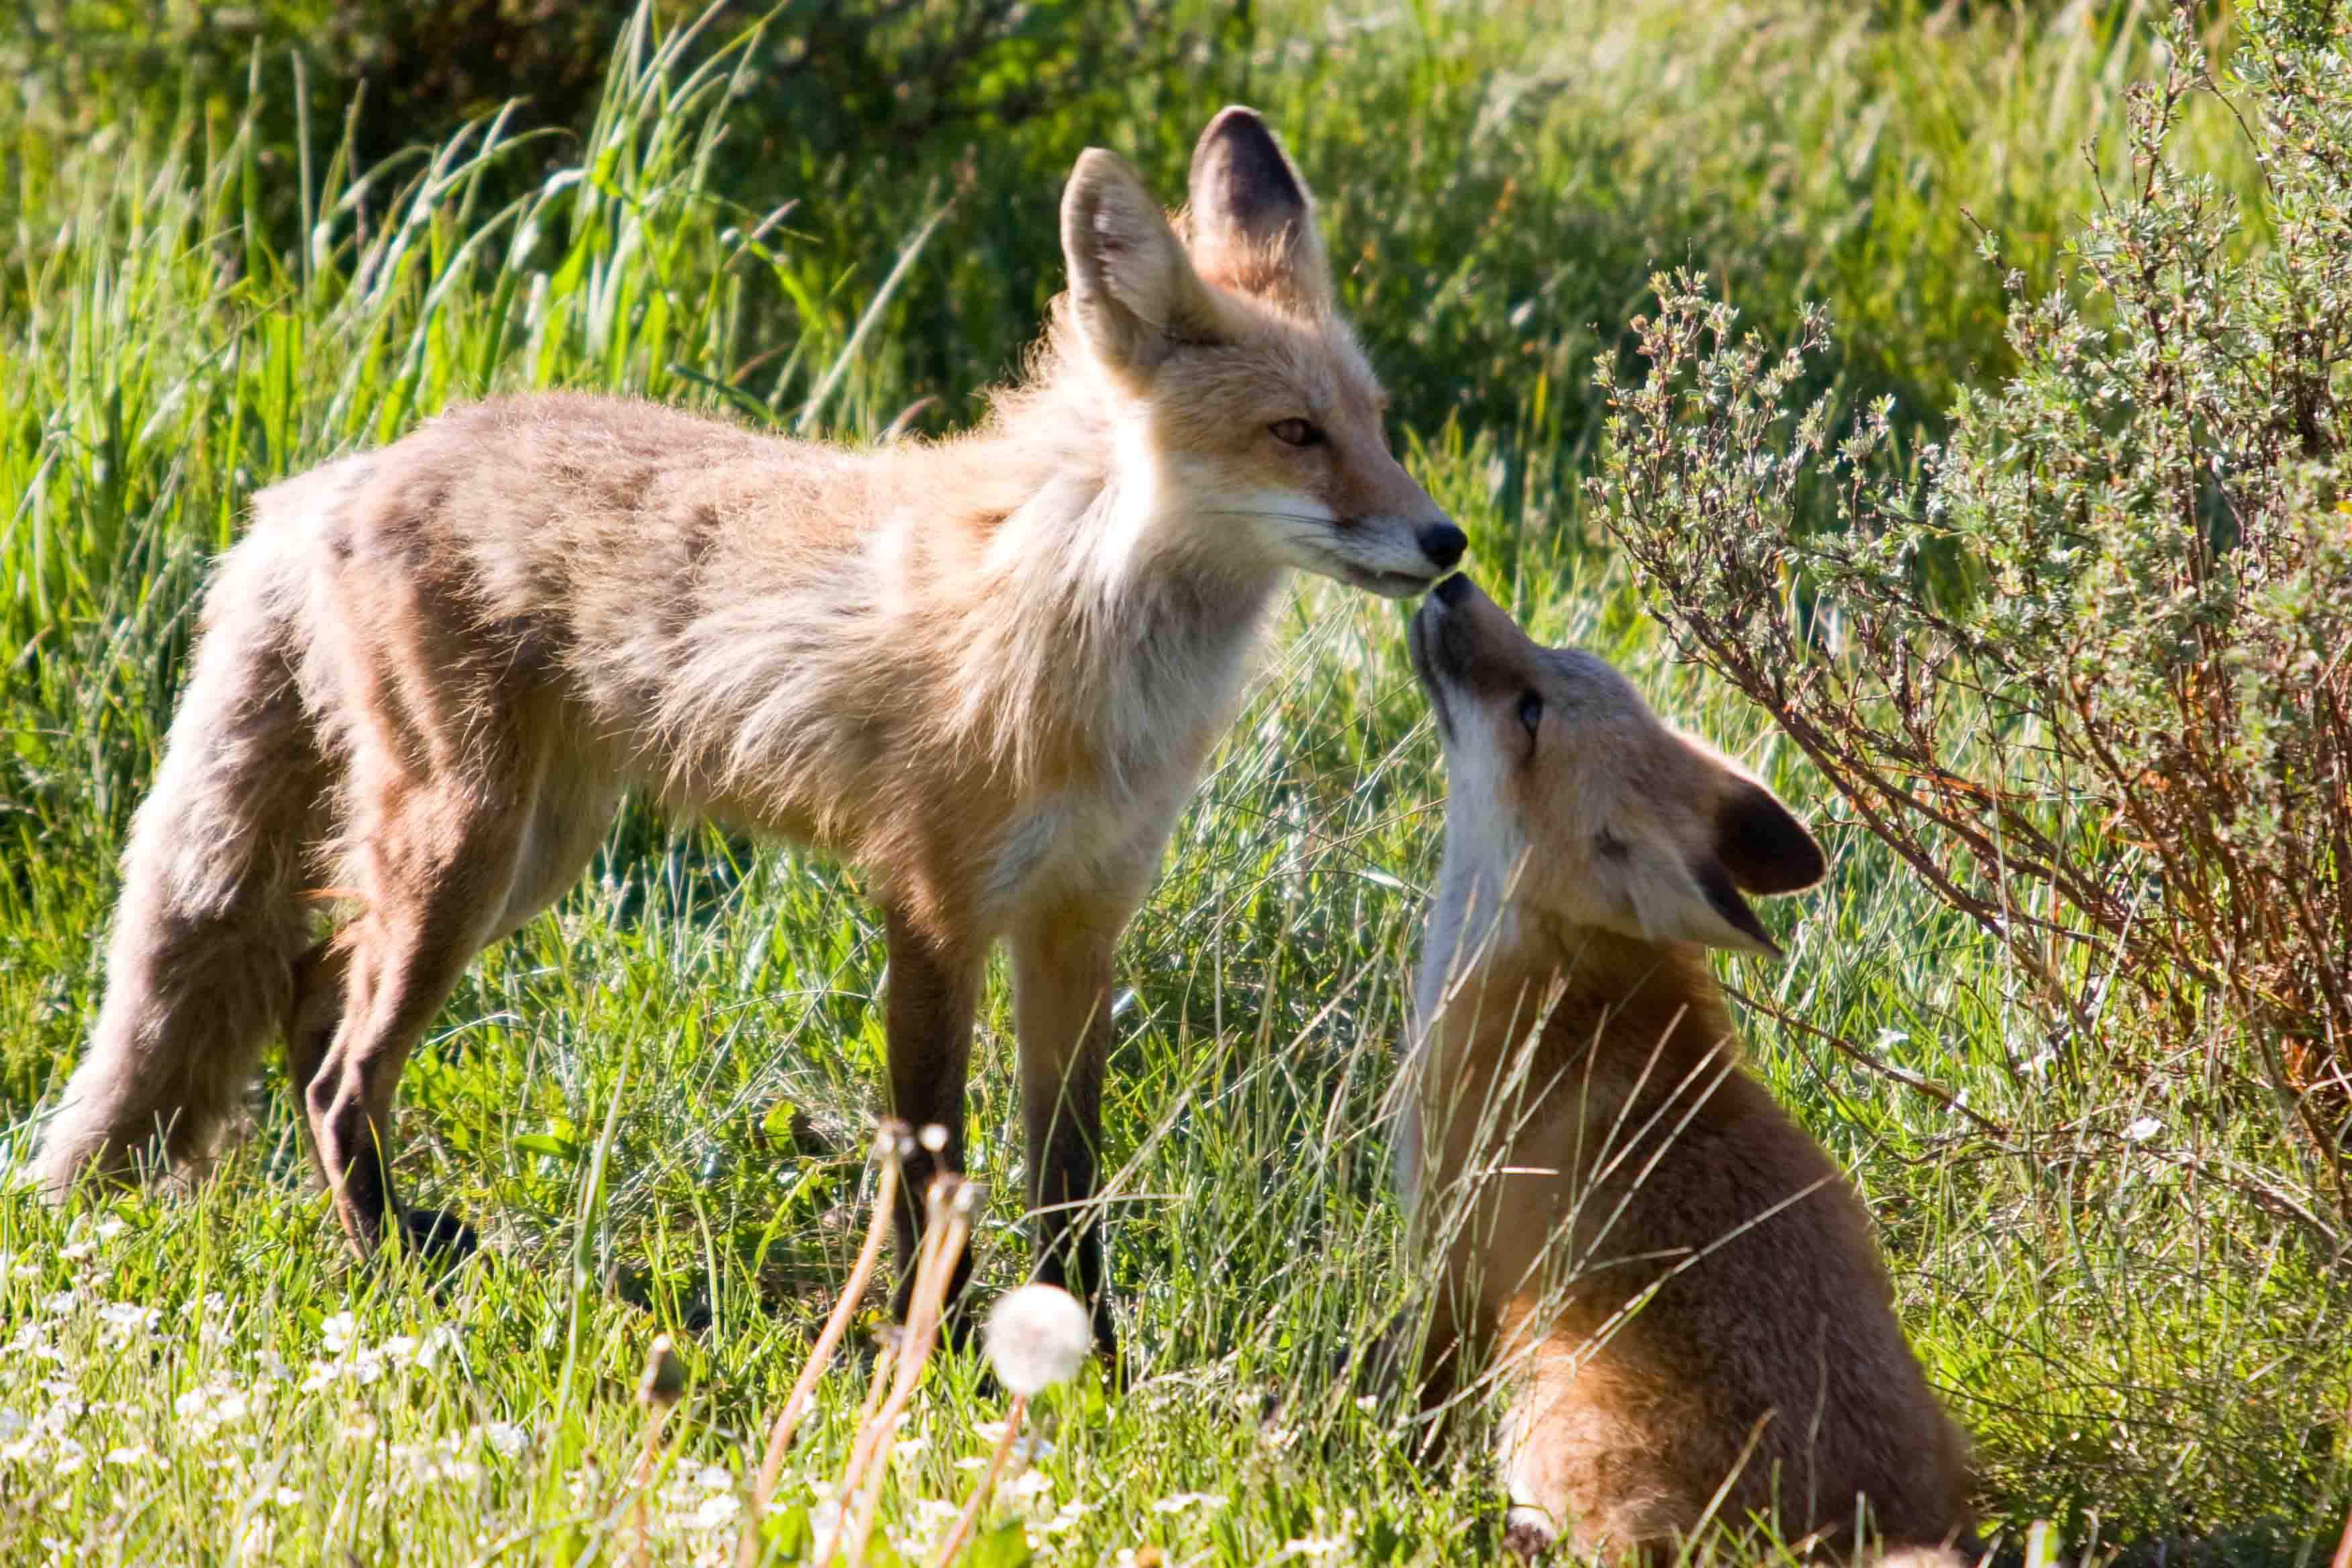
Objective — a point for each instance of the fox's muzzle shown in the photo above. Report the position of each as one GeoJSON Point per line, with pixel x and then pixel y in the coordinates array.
{"type": "Point", "coordinates": [1461, 642]}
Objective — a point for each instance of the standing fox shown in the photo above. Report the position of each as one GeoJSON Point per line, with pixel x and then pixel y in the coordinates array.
{"type": "Point", "coordinates": [985, 673]}
{"type": "Point", "coordinates": [1671, 1279]}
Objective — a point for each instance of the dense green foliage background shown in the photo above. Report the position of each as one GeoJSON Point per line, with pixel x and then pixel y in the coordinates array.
{"type": "Point", "coordinates": [237, 241]}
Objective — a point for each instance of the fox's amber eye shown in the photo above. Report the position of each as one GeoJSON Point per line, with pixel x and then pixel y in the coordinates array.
{"type": "Point", "coordinates": [1297, 433]}
{"type": "Point", "coordinates": [1530, 712]}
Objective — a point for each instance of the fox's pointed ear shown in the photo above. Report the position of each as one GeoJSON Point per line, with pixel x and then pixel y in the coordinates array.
{"type": "Point", "coordinates": [1761, 847]}
{"type": "Point", "coordinates": [1253, 223]}
{"type": "Point", "coordinates": [1133, 289]}
{"type": "Point", "coordinates": [1751, 844]}
{"type": "Point", "coordinates": [1677, 900]}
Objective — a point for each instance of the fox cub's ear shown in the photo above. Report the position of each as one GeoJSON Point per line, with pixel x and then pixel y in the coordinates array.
{"type": "Point", "coordinates": [1758, 848]}
{"type": "Point", "coordinates": [1134, 293]}
{"type": "Point", "coordinates": [1762, 847]}
{"type": "Point", "coordinates": [1753, 846]}
{"type": "Point", "coordinates": [1253, 221]}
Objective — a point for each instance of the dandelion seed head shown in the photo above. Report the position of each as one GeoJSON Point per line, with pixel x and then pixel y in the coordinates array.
{"type": "Point", "coordinates": [1037, 1336]}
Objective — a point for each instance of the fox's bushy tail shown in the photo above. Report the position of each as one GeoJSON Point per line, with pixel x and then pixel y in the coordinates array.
{"type": "Point", "coordinates": [212, 921]}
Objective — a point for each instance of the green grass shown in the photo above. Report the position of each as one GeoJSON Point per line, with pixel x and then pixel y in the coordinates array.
{"type": "Point", "coordinates": [2145, 1353]}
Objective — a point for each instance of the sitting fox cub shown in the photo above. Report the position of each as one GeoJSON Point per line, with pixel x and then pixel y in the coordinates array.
{"type": "Point", "coordinates": [1670, 1279]}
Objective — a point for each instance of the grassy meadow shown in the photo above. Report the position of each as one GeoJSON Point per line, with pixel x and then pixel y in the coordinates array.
{"type": "Point", "coordinates": [655, 1100]}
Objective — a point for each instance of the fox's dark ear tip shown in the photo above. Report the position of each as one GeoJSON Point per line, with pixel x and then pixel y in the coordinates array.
{"type": "Point", "coordinates": [1238, 125]}
{"type": "Point", "coordinates": [1768, 850]}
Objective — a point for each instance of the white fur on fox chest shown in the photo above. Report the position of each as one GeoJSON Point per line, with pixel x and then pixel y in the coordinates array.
{"type": "Point", "coordinates": [1110, 838]}
{"type": "Point", "coordinates": [1169, 687]}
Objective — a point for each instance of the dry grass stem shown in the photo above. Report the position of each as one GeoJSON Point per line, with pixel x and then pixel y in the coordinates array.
{"type": "Point", "coordinates": [658, 1389]}
{"type": "Point", "coordinates": [948, 1222]}
{"type": "Point", "coordinates": [888, 1137]}
{"type": "Point", "coordinates": [966, 1520]}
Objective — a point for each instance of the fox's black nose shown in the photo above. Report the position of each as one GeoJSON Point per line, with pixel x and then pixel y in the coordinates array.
{"type": "Point", "coordinates": [1443, 544]}
{"type": "Point", "coordinates": [1452, 590]}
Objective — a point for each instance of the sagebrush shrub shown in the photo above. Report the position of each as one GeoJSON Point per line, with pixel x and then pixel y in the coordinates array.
{"type": "Point", "coordinates": [2088, 668]}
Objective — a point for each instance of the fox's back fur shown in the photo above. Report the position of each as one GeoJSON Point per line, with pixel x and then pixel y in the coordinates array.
{"type": "Point", "coordinates": [850, 650]}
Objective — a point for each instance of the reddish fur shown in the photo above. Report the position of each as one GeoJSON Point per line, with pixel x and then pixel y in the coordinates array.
{"type": "Point", "coordinates": [1581, 1133]}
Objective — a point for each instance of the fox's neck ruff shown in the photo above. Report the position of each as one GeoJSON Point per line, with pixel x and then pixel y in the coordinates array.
{"type": "Point", "coordinates": [1107, 633]}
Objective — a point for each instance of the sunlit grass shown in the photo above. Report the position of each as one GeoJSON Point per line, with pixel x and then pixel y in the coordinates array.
{"type": "Point", "coordinates": [656, 1100]}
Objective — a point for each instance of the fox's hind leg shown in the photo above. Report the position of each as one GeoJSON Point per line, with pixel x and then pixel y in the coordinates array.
{"type": "Point", "coordinates": [432, 867]}
{"type": "Point", "coordinates": [566, 821]}
{"type": "Point", "coordinates": [439, 789]}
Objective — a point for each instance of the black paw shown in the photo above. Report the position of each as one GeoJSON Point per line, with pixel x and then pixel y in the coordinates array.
{"type": "Point", "coordinates": [1528, 1534]}
{"type": "Point", "coordinates": [437, 1236]}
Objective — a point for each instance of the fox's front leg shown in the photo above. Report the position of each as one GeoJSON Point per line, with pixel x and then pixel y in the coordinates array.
{"type": "Point", "coordinates": [1061, 991]}
{"type": "Point", "coordinates": [932, 992]}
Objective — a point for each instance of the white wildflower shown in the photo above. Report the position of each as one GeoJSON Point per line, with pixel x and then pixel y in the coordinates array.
{"type": "Point", "coordinates": [121, 1320]}
{"type": "Point", "coordinates": [33, 1340]}
{"type": "Point", "coordinates": [1177, 1503]}
{"type": "Point", "coordinates": [824, 1524]}
{"type": "Point", "coordinates": [216, 1404]}
{"type": "Point", "coordinates": [1066, 1516]}
{"type": "Point", "coordinates": [716, 1512]}
{"type": "Point", "coordinates": [2142, 1130]}
{"type": "Point", "coordinates": [338, 1331]}
{"type": "Point", "coordinates": [505, 1438]}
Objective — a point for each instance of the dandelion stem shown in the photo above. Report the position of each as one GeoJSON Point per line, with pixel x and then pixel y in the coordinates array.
{"type": "Point", "coordinates": [965, 1521]}
{"type": "Point", "coordinates": [803, 1394]}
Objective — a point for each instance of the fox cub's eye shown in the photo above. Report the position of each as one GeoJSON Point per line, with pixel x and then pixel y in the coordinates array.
{"type": "Point", "coordinates": [1297, 433]}
{"type": "Point", "coordinates": [1531, 713]}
